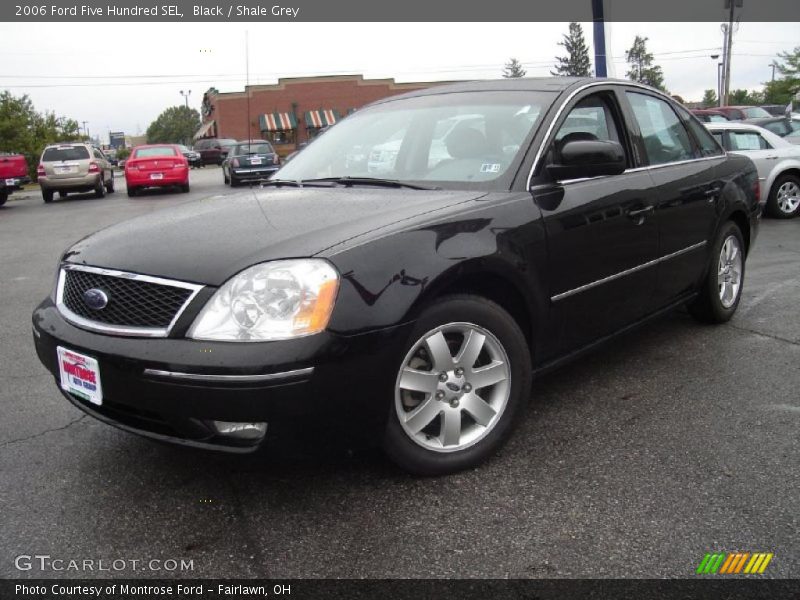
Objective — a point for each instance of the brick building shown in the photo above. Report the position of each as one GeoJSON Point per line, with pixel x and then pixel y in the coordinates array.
{"type": "Point", "coordinates": [293, 110]}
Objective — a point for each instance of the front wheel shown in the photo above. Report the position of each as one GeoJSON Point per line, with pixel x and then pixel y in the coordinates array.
{"type": "Point", "coordinates": [784, 197]}
{"type": "Point", "coordinates": [460, 387]}
{"type": "Point", "coordinates": [722, 289]}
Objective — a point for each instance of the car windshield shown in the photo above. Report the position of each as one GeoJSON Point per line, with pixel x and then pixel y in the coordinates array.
{"type": "Point", "coordinates": [755, 112]}
{"type": "Point", "coordinates": [155, 151]}
{"type": "Point", "coordinates": [65, 153]}
{"type": "Point", "coordinates": [251, 149]}
{"type": "Point", "coordinates": [463, 138]}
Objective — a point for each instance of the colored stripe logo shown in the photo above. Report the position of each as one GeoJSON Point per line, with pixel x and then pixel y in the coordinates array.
{"type": "Point", "coordinates": [734, 563]}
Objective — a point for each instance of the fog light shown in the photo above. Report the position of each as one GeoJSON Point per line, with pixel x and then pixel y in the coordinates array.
{"type": "Point", "coordinates": [242, 431]}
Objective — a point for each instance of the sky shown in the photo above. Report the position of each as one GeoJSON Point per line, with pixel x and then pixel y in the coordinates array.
{"type": "Point", "coordinates": [135, 71]}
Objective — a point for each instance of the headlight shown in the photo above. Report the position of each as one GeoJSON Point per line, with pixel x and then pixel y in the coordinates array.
{"type": "Point", "coordinates": [271, 301]}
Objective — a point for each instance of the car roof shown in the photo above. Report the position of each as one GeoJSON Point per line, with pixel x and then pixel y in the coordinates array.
{"type": "Point", "coordinates": [757, 120]}
{"type": "Point", "coordinates": [514, 84]}
{"type": "Point", "coordinates": [735, 125]}
{"type": "Point", "coordinates": [773, 138]}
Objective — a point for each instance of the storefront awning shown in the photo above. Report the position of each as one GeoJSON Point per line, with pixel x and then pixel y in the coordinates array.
{"type": "Point", "coordinates": [277, 121]}
{"type": "Point", "coordinates": [206, 130]}
{"type": "Point", "coordinates": [321, 118]}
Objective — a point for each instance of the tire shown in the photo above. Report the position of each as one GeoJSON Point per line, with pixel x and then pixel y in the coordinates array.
{"type": "Point", "coordinates": [720, 294]}
{"type": "Point", "coordinates": [484, 420]}
{"type": "Point", "coordinates": [110, 184]}
{"type": "Point", "coordinates": [235, 182]}
{"type": "Point", "coordinates": [62, 195]}
{"type": "Point", "coordinates": [225, 179]}
{"type": "Point", "coordinates": [132, 191]}
{"type": "Point", "coordinates": [784, 197]}
{"type": "Point", "coordinates": [185, 188]}
{"type": "Point", "coordinates": [3, 197]}
{"type": "Point", "coordinates": [100, 189]}
{"type": "Point", "coordinates": [47, 196]}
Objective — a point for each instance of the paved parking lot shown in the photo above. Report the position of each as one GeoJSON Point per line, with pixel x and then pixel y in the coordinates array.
{"type": "Point", "coordinates": [676, 440]}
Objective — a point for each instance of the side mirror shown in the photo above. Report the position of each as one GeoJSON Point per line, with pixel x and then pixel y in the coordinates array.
{"type": "Point", "coordinates": [588, 158]}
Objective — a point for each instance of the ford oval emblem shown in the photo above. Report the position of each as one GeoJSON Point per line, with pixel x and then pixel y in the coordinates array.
{"type": "Point", "coordinates": [95, 299]}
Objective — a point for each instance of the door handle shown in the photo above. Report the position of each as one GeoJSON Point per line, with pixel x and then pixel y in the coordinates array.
{"type": "Point", "coordinates": [712, 193]}
{"type": "Point", "coordinates": [771, 158]}
{"type": "Point", "coordinates": [640, 212]}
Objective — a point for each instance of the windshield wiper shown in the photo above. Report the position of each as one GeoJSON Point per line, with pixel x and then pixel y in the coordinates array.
{"type": "Point", "coordinates": [348, 181]}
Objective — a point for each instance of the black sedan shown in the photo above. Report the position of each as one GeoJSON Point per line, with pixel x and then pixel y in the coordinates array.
{"type": "Point", "coordinates": [515, 225]}
{"type": "Point", "coordinates": [192, 157]}
{"type": "Point", "coordinates": [250, 161]}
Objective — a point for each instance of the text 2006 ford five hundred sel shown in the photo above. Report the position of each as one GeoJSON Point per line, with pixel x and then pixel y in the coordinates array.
{"type": "Point", "coordinates": [408, 273]}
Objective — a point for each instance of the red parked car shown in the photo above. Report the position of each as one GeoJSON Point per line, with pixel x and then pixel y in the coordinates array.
{"type": "Point", "coordinates": [13, 174]}
{"type": "Point", "coordinates": [740, 113]}
{"type": "Point", "coordinates": [156, 165]}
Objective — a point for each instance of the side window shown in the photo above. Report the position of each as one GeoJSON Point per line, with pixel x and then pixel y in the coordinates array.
{"type": "Point", "coordinates": [748, 140]}
{"type": "Point", "coordinates": [98, 154]}
{"type": "Point", "coordinates": [590, 119]}
{"type": "Point", "coordinates": [705, 141]}
{"type": "Point", "coordinates": [665, 138]}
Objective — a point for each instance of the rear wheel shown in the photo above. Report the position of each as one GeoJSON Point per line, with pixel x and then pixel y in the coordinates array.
{"type": "Point", "coordinates": [3, 197]}
{"type": "Point", "coordinates": [784, 197]}
{"type": "Point", "coordinates": [100, 189]}
{"type": "Point", "coordinates": [185, 188]}
{"type": "Point", "coordinates": [132, 191]}
{"type": "Point", "coordinates": [460, 387]}
{"type": "Point", "coordinates": [62, 195]}
{"type": "Point", "coordinates": [722, 288]}
{"type": "Point", "coordinates": [110, 184]}
{"type": "Point", "coordinates": [225, 179]}
{"type": "Point", "coordinates": [235, 182]}
{"type": "Point", "coordinates": [47, 196]}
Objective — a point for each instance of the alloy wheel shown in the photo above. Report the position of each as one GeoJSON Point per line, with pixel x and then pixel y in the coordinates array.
{"type": "Point", "coordinates": [788, 197]}
{"type": "Point", "coordinates": [452, 387]}
{"type": "Point", "coordinates": [729, 272]}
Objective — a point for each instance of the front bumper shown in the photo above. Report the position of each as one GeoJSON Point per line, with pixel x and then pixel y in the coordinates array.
{"type": "Point", "coordinates": [172, 388]}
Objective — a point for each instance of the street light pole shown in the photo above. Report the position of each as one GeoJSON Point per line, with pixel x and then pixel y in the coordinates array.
{"type": "Point", "coordinates": [186, 96]}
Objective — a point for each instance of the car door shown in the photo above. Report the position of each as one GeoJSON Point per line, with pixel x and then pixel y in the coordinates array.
{"type": "Point", "coordinates": [105, 166]}
{"type": "Point", "coordinates": [601, 237]}
{"type": "Point", "coordinates": [683, 162]}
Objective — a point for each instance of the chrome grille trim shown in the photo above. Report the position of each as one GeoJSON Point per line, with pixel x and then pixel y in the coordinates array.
{"type": "Point", "coordinates": [148, 332]}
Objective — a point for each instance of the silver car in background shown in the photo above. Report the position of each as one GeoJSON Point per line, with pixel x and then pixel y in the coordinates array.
{"type": "Point", "coordinates": [777, 161]}
{"type": "Point", "coordinates": [74, 167]}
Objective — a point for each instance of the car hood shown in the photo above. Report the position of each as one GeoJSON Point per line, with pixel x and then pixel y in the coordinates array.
{"type": "Point", "coordinates": [209, 241]}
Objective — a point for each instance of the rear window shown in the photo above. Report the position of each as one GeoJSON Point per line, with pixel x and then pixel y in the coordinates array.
{"type": "Point", "coordinates": [755, 112]}
{"type": "Point", "coordinates": [65, 153]}
{"type": "Point", "coordinates": [157, 151]}
{"type": "Point", "coordinates": [717, 119]}
{"type": "Point", "coordinates": [252, 149]}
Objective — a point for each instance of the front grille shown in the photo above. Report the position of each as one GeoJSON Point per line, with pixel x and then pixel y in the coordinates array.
{"type": "Point", "coordinates": [131, 302]}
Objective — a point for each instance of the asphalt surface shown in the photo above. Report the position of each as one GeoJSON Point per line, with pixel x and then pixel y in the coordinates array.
{"type": "Point", "coordinates": [676, 440]}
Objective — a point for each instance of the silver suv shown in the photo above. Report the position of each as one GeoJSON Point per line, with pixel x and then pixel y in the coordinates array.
{"type": "Point", "coordinates": [74, 167]}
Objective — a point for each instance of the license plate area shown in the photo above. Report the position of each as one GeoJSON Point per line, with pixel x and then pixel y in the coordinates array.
{"type": "Point", "coordinates": [80, 375]}
{"type": "Point", "coordinates": [11, 182]}
{"type": "Point", "coordinates": [156, 176]}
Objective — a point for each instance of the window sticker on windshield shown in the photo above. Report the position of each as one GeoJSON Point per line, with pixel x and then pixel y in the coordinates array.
{"type": "Point", "coordinates": [490, 168]}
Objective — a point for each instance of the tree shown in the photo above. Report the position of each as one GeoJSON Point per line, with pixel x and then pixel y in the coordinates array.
{"type": "Point", "coordinates": [576, 63]}
{"type": "Point", "coordinates": [513, 69]}
{"type": "Point", "coordinates": [176, 125]}
{"type": "Point", "coordinates": [783, 89]}
{"type": "Point", "coordinates": [745, 97]}
{"type": "Point", "coordinates": [709, 99]}
{"type": "Point", "coordinates": [24, 130]}
{"type": "Point", "coordinates": [642, 68]}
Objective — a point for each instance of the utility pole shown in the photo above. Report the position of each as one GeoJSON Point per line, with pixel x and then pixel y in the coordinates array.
{"type": "Point", "coordinates": [731, 6]}
{"type": "Point", "coordinates": [773, 71]}
{"type": "Point", "coordinates": [186, 97]}
{"type": "Point", "coordinates": [85, 129]}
